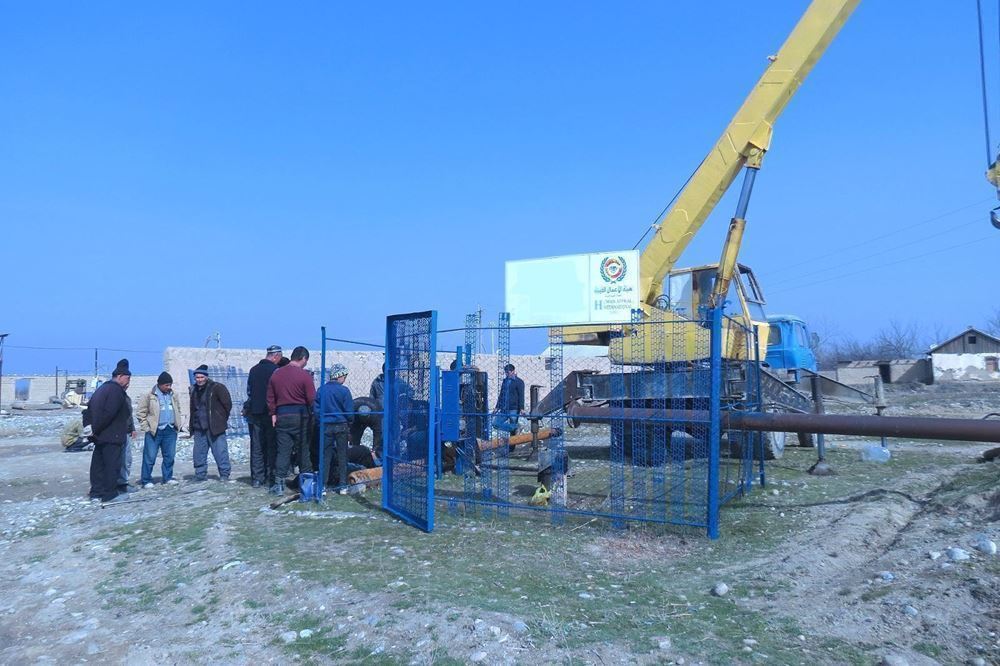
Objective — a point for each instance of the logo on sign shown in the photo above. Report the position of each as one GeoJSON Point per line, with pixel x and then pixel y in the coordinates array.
{"type": "Point", "coordinates": [613, 269]}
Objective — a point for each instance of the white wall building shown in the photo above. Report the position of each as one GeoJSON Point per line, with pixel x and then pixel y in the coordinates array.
{"type": "Point", "coordinates": [971, 355]}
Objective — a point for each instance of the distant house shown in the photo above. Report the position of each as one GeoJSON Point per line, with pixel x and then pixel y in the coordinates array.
{"type": "Point", "coordinates": [972, 355]}
{"type": "Point", "coordinates": [896, 371]}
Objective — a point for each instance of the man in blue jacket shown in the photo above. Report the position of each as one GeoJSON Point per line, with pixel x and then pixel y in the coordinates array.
{"type": "Point", "coordinates": [334, 408]}
{"type": "Point", "coordinates": [510, 401]}
{"type": "Point", "coordinates": [110, 411]}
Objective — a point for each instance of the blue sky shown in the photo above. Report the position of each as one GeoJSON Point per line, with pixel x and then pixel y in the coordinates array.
{"type": "Point", "coordinates": [260, 170]}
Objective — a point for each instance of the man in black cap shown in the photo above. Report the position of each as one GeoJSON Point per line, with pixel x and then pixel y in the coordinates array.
{"type": "Point", "coordinates": [510, 401]}
{"type": "Point", "coordinates": [110, 411]}
{"type": "Point", "coordinates": [159, 416]}
{"type": "Point", "coordinates": [210, 407]}
{"type": "Point", "coordinates": [262, 439]}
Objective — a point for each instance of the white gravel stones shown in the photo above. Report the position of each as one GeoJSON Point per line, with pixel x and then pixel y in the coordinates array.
{"type": "Point", "coordinates": [894, 660]}
{"type": "Point", "coordinates": [956, 554]}
{"type": "Point", "coordinates": [720, 590]}
{"type": "Point", "coordinates": [985, 545]}
{"type": "Point", "coordinates": [288, 637]}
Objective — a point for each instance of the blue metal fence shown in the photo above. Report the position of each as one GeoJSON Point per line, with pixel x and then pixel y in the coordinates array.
{"type": "Point", "coordinates": [409, 423]}
{"type": "Point", "coordinates": [634, 435]}
{"type": "Point", "coordinates": [658, 453]}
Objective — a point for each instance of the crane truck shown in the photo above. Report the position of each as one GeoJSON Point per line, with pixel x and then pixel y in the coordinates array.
{"type": "Point", "coordinates": [670, 294]}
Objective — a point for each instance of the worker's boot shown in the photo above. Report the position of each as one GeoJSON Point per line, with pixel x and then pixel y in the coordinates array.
{"type": "Point", "coordinates": [278, 488]}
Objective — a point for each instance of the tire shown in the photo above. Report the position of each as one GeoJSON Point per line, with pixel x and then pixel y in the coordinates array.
{"type": "Point", "coordinates": [668, 445]}
{"type": "Point", "coordinates": [774, 444]}
{"type": "Point", "coordinates": [806, 440]}
{"type": "Point", "coordinates": [367, 417]}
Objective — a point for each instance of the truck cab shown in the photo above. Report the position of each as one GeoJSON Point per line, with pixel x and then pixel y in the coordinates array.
{"type": "Point", "coordinates": [789, 344]}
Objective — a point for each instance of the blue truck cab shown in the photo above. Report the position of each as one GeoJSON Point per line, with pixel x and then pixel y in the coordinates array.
{"type": "Point", "coordinates": [789, 344]}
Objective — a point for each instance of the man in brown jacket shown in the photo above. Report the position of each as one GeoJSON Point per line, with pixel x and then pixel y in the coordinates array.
{"type": "Point", "coordinates": [159, 415]}
{"type": "Point", "coordinates": [210, 407]}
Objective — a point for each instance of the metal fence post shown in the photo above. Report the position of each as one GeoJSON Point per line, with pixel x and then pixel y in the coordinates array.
{"type": "Point", "coordinates": [715, 395]}
{"type": "Point", "coordinates": [320, 477]}
{"type": "Point", "coordinates": [556, 445]}
{"type": "Point", "coordinates": [821, 468]}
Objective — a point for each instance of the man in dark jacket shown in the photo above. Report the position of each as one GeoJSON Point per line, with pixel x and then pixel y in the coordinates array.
{"type": "Point", "coordinates": [378, 387]}
{"type": "Point", "coordinates": [334, 408]}
{"type": "Point", "coordinates": [210, 407]}
{"type": "Point", "coordinates": [510, 401]}
{"type": "Point", "coordinates": [262, 440]}
{"type": "Point", "coordinates": [110, 411]}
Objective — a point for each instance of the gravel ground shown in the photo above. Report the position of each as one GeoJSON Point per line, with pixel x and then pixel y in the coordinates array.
{"type": "Point", "coordinates": [882, 563]}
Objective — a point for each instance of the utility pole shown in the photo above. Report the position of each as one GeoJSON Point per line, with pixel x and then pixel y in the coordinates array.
{"type": "Point", "coordinates": [3, 337]}
{"type": "Point", "coordinates": [95, 362]}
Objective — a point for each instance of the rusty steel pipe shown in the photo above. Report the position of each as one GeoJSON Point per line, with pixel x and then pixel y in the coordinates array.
{"type": "Point", "coordinates": [963, 430]}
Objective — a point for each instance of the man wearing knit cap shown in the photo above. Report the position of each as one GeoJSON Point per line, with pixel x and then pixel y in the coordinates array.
{"type": "Point", "coordinates": [262, 439]}
{"type": "Point", "coordinates": [290, 396]}
{"type": "Point", "coordinates": [334, 409]}
{"type": "Point", "coordinates": [210, 408]}
{"type": "Point", "coordinates": [110, 412]}
{"type": "Point", "coordinates": [159, 416]}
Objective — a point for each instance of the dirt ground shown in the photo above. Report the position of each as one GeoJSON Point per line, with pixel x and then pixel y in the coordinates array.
{"type": "Point", "coordinates": [849, 569]}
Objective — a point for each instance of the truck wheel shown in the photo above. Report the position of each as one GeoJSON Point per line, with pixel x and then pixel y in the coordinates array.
{"type": "Point", "coordinates": [661, 440]}
{"type": "Point", "coordinates": [367, 416]}
{"type": "Point", "coordinates": [774, 445]}
{"type": "Point", "coordinates": [806, 440]}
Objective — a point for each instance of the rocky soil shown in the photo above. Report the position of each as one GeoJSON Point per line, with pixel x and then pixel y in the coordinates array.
{"type": "Point", "coordinates": [881, 563]}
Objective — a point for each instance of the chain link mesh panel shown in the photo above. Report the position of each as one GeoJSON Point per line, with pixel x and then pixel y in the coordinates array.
{"type": "Point", "coordinates": [648, 455]}
{"type": "Point", "coordinates": [411, 378]}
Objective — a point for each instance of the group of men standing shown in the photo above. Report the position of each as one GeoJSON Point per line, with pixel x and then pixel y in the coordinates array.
{"type": "Point", "coordinates": [109, 415]}
{"type": "Point", "coordinates": [284, 411]}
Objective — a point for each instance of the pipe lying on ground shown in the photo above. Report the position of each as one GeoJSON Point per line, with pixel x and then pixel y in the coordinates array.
{"type": "Point", "coordinates": [910, 427]}
{"type": "Point", "coordinates": [525, 438]}
{"type": "Point", "coordinates": [373, 476]}
{"type": "Point", "coordinates": [365, 476]}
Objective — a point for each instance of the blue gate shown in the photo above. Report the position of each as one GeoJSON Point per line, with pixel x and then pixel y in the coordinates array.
{"type": "Point", "coordinates": [409, 441]}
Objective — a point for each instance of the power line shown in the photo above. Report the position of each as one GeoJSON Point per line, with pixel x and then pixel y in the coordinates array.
{"type": "Point", "coordinates": [888, 263]}
{"type": "Point", "coordinates": [879, 253]}
{"type": "Point", "coordinates": [669, 204]}
{"type": "Point", "coordinates": [107, 349]}
{"type": "Point", "coordinates": [982, 79]}
{"type": "Point", "coordinates": [868, 241]}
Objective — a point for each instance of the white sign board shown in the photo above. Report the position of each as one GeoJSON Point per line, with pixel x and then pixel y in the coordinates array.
{"type": "Point", "coordinates": [593, 288]}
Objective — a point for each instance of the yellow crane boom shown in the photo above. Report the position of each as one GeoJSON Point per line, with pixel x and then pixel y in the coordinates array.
{"type": "Point", "coordinates": [743, 143]}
